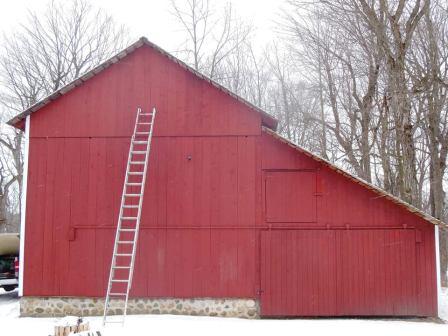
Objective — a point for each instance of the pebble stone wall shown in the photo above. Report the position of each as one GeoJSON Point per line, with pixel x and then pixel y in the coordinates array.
{"type": "Point", "coordinates": [64, 306]}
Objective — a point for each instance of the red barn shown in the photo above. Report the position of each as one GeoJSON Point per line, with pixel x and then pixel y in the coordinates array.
{"type": "Point", "coordinates": [237, 221]}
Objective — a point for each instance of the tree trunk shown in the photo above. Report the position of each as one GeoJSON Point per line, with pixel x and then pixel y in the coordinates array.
{"type": "Point", "coordinates": [405, 146]}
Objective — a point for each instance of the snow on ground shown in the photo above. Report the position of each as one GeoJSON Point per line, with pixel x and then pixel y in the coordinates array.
{"type": "Point", "coordinates": [443, 313]}
{"type": "Point", "coordinates": [9, 305]}
{"type": "Point", "coordinates": [11, 324]}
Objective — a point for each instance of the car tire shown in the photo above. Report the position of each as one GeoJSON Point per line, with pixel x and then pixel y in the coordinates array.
{"type": "Point", "coordinates": [9, 288]}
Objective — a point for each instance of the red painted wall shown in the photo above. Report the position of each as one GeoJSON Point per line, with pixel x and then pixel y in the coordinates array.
{"type": "Point", "coordinates": [203, 218]}
{"type": "Point", "coordinates": [347, 272]}
{"type": "Point", "coordinates": [352, 240]}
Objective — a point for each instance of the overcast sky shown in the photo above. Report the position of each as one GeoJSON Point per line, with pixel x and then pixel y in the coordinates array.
{"type": "Point", "coordinates": [151, 18]}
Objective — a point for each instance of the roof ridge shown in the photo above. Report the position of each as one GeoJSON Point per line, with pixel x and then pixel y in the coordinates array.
{"type": "Point", "coordinates": [267, 119]}
{"type": "Point", "coordinates": [358, 180]}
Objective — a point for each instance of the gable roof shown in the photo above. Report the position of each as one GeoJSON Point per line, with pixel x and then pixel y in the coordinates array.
{"type": "Point", "coordinates": [377, 190]}
{"type": "Point", "coordinates": [16, 121]}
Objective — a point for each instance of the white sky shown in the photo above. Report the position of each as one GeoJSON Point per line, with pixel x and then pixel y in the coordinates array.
{"type": "Point", "coordinates": [151, 18]}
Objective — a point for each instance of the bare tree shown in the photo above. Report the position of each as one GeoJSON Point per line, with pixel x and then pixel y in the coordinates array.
{"type": "Point", "coordinates": [338, 53]}
{"type": "Point", "coordinates": [246, 72]}
{"type": "Point", "coordinates": [428, 68]}
{"type": "Point", "coordinates": [394, 24]}
{"type": "Point", "coordinates": [46, 52]}
{"type": "Point", "coordinates": [210, 38]}
{"type": "Point", "coordinates": [281, 70]}
{"type": "Point", "coordinates": [10, 183]}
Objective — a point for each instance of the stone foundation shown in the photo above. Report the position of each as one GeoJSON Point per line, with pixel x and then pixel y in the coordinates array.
{"type": "Point", "coordinates": [63, 306]}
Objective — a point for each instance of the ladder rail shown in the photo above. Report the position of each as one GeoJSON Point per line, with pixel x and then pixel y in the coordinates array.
{"type": "Point", "coordinates": [117, 232]}
{"type": "Point", "coordinates": [139, 211]}
{"type": "Point", "coordinates": [123, 206]}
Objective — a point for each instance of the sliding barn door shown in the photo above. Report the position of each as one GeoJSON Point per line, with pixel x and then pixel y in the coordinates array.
{"type": "Point", "coordinates": [338, 272]}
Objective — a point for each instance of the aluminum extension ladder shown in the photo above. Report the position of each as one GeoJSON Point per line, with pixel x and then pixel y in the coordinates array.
{"type": "Point", "coordinates": [126, 236]}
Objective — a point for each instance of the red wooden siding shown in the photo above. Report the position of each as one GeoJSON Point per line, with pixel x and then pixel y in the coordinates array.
{"type": "Point", "coordinates": [339, 272]}
{"type": "Point", "coordinates": [211, 220]}
{"type": "Point", "coordinates": [298, 273]}
{"type": "Point", "coordinates": [105, 105]}
{"type": "Point", "coordinates": [340, 201]}
{"type": "Point", "coordinates": [290, 196]}
{"type": "Point", "coordinates": [216, 186]}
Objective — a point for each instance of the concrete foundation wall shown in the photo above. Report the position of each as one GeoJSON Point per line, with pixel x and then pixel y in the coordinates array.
{"type": "Point", "coordinates": [63, 306]}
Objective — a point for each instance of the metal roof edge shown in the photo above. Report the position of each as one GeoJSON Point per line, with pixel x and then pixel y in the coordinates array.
{"type": "Point", "coordinates": [267, 119]}
{"type": "Point", "coordinates": [358, 180]}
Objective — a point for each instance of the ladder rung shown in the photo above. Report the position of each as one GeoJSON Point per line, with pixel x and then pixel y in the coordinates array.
{"type": "Point", "coordinates": [130, 206]}
{"type": "Point", "coordinates": [123, 254]}
{"type": "Point", "coordinates": [121, 267]}
{"type": "Point", "coordinates": [144, 123]}
{"type": "Point", "coordinates": [119, 280]}
{"type": "Point", "coordinates": [128, 218]}
{"type": "Point", "coordinates": [132, 195]}
{"type": "Point", "coordinates": [117, 294]}
{"type": "Point", "coordinates": [127, 230]}
{"type": "Point", "coordinates": [134, 184]}
{"type": "Point", "coordinates": [135, 173]}
{"type": "Point", "coordinates": [137, 162]}
{"type": "Point", "coordinates": [145, 114]}
{"type": "Point", "coordinates": [125, 242]}
{"type": "Point", "coordinates": [142, 133]}
{"type": "Point", "coordinates": [138, 152]}
{"type": "Point", "coordinates": [139, 142]}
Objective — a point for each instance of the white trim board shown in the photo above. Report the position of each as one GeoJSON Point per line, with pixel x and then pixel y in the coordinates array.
{"type": "Point", "coordinates": [23, 204]}
{"type": "Point", "coordinates": [439, 286]}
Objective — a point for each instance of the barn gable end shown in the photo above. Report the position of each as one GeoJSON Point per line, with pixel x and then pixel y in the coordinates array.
{"type": "Point", "coordinates": [148, 76]}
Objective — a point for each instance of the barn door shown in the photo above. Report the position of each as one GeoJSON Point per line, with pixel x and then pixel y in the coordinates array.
{"type": "Point", "coordinates": [338, 272]}
{"type": "Point", "coordinates": [298, 273]}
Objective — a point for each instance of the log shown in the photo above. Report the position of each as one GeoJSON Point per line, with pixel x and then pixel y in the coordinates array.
{"type": "Point", "coordinates": [70, 325]}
